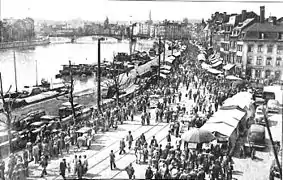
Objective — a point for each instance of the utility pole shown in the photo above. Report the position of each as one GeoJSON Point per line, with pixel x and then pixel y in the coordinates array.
{"type": "Point", "coordinates": [98, 76]}
{"type": "Point", "coordinates": [71, 98]}
{"type": "Point", "coordinates": [272, 142]}
{"type": "Point", "coordinates": [36, 73]}
{"type": "Point", "coordinates": [159, 58]}
{"type": "Point", "coordinates": [15, 70]}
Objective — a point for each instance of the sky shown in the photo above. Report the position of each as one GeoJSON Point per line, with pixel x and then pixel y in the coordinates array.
{"type": "Point", "coordinates": [97, 10]}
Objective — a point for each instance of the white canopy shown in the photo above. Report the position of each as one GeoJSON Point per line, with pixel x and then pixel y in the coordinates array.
{"type": "Point", "coordinates": [164, 71]}
{"type": "Point", "coordinates": [231, 77]}
{"type": "Point", "coordinates": [165, 67]}
{"type": "Point", "coordinates": [163, 75]}
{"type": "Point", "coordinates": [214, 71]}
{"type": "Point", "coordinates": [201, 57]}
{"type": "Point", "coordinates": [177, 54]}
{"type": "Point", "coordinates": [205, 66]}
{"type": "Point", "coordinates": [228, 66]}
{"type": "Point", "coordinates": [221, 128]}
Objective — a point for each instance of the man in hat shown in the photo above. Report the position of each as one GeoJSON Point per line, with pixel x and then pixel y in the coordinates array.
{"type": "Point", "coordinates": [63, 167]}
{"type": "Point", "coordinates": [148, 173]}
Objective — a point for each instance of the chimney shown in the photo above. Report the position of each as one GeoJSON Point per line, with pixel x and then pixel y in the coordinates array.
{"type": "Point", "coordinates": [262, 14]}
{"type": "Point", "coordinates": [274, 20]}
{"type": "Point", "coordinates": [244, 15]}
{"type": "Point", "coordinates": [224, 16]}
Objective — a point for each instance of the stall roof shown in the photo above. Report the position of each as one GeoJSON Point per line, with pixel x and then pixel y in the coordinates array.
{"type": "Point", "coordinates": [83, 130]}
{"type": "Point", "coordinates": [170, 60]}
{"type": "Point", "coordinates": [214, 71]}
{"type": "Point", "coordinates": [218, 63]}
{"type": "Point", "coordinates": [228, 66]}
{"type": "Point", "coordinates": [165, 67]}
{"type": "Point", "coordinates": [221, 128]}
{"type": "Point", "coordinates": [40, 96]}
{"type": "Point", "coordinates": [164, 71]}
{"type": "Point", "coordinates": [201, 57]}
{"type": "Point", "coordinates": [205, 66]}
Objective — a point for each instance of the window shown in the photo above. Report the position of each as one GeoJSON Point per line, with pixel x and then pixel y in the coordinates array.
{"type": "Point", "coordinates": [269, 48]}
{"type": "Point", "coordinates": [268, 61]}
{"type": "Point", "coordinates": [259, 48]}
{"type": "Point", "coordinates": [267, 73]}
{"type": "Point", "coordinates": [239, 59]}
{"type": "Point", "coordinates": [261, 35]}
{"type": "Point", "coordinates": [277, 74]}
{"type": "Point", "coordinates": [280, 36]}
{"type": "Point", "coordinates": [250, 48]}
{"type": "Point", "coordinates": [239, 48]}
{"type": "Point", "coordinates": [279, 49]}
{"type": "Point", "coordinates": [278, 61]}
{"type": "Point", "coordinates": [257, 73]}
{"type": "Point", "coordinates": [249, 60]}
{"type": "Point", "coordinates": [259, 60]}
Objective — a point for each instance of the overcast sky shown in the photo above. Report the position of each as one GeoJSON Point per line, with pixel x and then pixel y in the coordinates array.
{"type": "Point", "coordinates": [122, 10]}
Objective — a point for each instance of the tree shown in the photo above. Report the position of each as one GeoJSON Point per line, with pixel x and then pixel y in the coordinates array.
{"type": "Point", "coordinates": [186, 21]}
{"type": "Point", "coordinates": [7, 111]}
{"type": "Point", "coordinates": [117, 81]}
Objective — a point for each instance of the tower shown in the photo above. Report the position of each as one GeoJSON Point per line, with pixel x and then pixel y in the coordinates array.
{"type": "Point", "coordinates": [149, 18]}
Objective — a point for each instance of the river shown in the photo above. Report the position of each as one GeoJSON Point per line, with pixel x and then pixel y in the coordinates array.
{"type": "Point", "coordinates": [50, 59]}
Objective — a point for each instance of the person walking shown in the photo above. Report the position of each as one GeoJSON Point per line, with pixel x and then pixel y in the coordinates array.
{"type": "Point", "coordinates": [130, 139]}
{"type": "Point", "coordinates": [130, 171]}
{"type": "Point", "coordinates": [80, 170]}
{"type": "Point", "coordinates": [112, 160]}
{"type": "Point", "coordinates": [43, 164]}
{"type": "Point", "coordinates": [63, 167]}
{"type": "Point", "coordinates": [122, 147]}
{"type": "Point", "coordinates": [85, 165]}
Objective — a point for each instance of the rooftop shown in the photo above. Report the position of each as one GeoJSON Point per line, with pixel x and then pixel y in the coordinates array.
{"type": "Point", "coordinates": [265, 27]}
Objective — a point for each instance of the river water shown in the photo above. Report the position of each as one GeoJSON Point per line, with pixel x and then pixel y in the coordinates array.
{"type": "Point", "coordinates": [50, 59]}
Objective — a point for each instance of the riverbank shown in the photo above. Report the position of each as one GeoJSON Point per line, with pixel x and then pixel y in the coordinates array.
{"type": "Point", "coordinates": [24, 44]}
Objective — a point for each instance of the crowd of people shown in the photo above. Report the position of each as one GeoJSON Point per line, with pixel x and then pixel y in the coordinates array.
{"type": "Point", "coordinates": [175, 160]}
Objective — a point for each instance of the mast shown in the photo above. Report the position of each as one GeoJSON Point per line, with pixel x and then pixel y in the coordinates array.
{"type": "Point", "coordinates": [36, 73]}
{"type": "Point", "coordinates": [98, 76]}
{"type": "Point", "coordinates": [15, 70]}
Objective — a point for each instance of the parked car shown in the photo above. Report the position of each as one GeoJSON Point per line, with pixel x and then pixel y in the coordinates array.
{"type": "Point", "coordinates": [273, 106]}
{"type": "Point", "coordinates": [256, 136]}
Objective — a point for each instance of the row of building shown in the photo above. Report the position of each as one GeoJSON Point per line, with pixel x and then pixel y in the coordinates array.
{"type": "Point", "coordinates": [252, 44]}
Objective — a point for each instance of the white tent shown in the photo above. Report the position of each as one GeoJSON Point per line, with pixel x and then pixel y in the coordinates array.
{"type": "Point", "coordinates": [166, 67]}
{"type": "Point", "coordinates": [214, 71]}
{"type": "Point", "coordinates": [164, 71]}
{"type": "Point", "coordinates": [227, 67]}
{"type": "Point", "coordinates": [205, 66]}
{"type": "Point", "coordinates": [177, 54]}
{"type": "Point", "coordinates": [231, 77]}
{"type": "Point", "coordinates": [201, 57]}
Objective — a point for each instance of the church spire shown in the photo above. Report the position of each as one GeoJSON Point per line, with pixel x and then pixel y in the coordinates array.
{"type": "Point", "coordinates": [149, 17]}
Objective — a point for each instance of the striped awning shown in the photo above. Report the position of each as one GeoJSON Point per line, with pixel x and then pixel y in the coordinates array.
{"type": "Point", "coordinates": [216, 64]}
